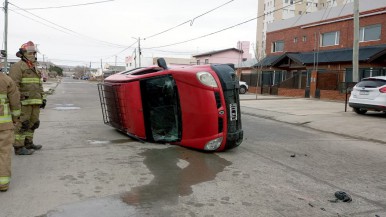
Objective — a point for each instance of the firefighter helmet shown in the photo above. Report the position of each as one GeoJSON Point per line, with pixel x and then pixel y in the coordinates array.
{"type": "Point", "coordinates": [28, 47]}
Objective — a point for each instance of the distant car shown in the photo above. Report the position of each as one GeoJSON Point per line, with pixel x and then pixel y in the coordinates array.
{"type": "Point", "coordinates": [243, 87]}
{"type": "Point", "coordinates": [192, 106]}
{"type": "Point", "coordinates": [369, 95]}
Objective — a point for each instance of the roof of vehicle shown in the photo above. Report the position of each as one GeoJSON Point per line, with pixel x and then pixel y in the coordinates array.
{"type": "Point", "coordinates": [375, 77]}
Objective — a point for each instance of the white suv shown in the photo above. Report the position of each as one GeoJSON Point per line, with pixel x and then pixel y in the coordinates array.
{"type": "Point", "coordinates": [243, 87]}
{"type": "Point", "coordinates": [369, 94]}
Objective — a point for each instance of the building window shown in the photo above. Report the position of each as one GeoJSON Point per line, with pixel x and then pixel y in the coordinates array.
{"type": "Point", "coordinates": [206, 61]}
{"type": "Point", "coordinates": [198, 62]}
{"type": "Point", "coordinates": [304, 38]}
{"type": "Point", "coordinates": [278, 46]}
{"type": "Point", "coordinates": [370, 33]}
{"type": "Point", "coordinates": [329, 39]}
{"type": "Point", "coordinates": [296, 40]}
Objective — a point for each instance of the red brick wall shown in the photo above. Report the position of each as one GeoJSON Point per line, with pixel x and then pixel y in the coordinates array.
{"type": "Point", "coordinates": [291, 92]}
{"type": "Point", "coordinates": [253, 90]}
{"type": "Point", "coordinates": [324, 94]}
{"type": "Point", "coordinates": [345, 38]}
{"type": "Point", "coordinates": [333, 95]}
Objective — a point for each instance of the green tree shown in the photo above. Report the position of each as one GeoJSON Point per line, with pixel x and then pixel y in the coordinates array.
{"type": "Point", "coordinates": [56, 69]}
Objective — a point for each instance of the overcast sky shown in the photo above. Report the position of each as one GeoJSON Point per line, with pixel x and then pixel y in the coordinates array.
{"type": "Point", "coordinates": [103, 29]}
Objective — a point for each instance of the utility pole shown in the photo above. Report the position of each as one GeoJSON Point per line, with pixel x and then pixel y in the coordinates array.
{"type": "Point", "coordinates": [355, 53]}
{"type": "Point", "coordinates": [139, 52]}
{"type": "Point", "coordinates": [5, 35]}
{"type": "Point", "coordinates": [102, 70]}
{"type": "Point", "coordinates": [135, 58]}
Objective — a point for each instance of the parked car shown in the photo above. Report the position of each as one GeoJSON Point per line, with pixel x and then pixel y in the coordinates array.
{"type": "Point", "coordinates": [369, 95]}
{"type": "Point", "coordinates": [192, 106]}
{"type": "Point", "coordinates": [243, 87]}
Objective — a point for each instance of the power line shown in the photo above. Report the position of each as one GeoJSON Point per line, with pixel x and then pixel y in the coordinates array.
{"type": "Point", "coordinates": [39, 22]}
{"type": "Point", "coordinates": [67, 29]}
{"type": "Point", "coordinates": [67, 6]}
{"type": "Point", "coordinates": [221, 30]}
{"type": "Point", "coordinates": [123, 50]}
{"type": "Point", "coordinates": [191, 20]}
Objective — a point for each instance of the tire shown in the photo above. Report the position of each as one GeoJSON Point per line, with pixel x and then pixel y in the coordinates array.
{"type": "Point", "coordinates": [242, 90]}
{"type": "Point", "coordinates": [360, 111]}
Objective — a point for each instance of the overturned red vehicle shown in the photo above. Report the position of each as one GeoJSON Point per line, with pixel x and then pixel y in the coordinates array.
{"type": "Point", "coordinates": [193, 106]}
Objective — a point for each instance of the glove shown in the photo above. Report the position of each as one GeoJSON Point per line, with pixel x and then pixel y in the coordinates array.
{"type": "Point", "coordinates": [43, 105]}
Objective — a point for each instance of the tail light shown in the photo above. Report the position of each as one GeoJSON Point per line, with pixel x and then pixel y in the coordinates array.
{"type": "Point", "coordinates": [382, 90]}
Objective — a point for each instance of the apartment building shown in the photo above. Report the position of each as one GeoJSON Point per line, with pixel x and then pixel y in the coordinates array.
{"type": "Point", "coordinates": [270, 11]}
{"type": "Point", "coordinates": [312, 54]}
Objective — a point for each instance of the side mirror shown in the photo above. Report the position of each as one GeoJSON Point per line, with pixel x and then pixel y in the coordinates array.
{"type": "Point", "coordinates": [162, 63]}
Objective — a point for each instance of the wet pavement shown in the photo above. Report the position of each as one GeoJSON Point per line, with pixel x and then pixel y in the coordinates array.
{"type": "Point", "coordinates": [175, 171]}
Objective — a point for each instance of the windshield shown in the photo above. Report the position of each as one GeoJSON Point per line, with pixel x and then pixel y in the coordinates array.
{"type": "Point", "coordinates": [371, 83]}
{"type": "Point", "coordinates": [161, 108]}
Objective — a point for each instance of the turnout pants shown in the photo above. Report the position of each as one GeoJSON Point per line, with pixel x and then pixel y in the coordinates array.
{"type": "Point", "coordinates": [29, 122]}
{"type": "Point", "coordinates": [6, 140]}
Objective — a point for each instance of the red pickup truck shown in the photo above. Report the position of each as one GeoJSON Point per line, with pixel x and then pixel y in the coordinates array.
{"type": "Point", "coordinates": [192, 106]}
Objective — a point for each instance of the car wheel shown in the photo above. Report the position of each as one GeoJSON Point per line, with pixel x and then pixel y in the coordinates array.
{"type": "Point", "coordinates": [360, 111]}
{"type": "Point", "coordinates": [242, 89]}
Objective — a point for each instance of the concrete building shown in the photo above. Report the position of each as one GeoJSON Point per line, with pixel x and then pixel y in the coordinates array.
{"type": "Point", "coordinates": [270, 11]}
{"type": "Point", "coordinates": [225, 56]}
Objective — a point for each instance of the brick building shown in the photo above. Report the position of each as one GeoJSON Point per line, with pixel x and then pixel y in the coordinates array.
{"type": "Point", "coordinates": [317, 48]}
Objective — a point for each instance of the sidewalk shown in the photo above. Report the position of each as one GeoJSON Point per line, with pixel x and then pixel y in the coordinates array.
{"type": "Point", "coordinates": [50, 85]}
{"type": "Point", "coordinates": [327, 116]}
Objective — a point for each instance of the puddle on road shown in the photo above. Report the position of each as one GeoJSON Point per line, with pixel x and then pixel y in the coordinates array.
{"type": "Point", "coordinates": [172, 181]}
{"type": "Point", "coordinates": [105, 142]}
{"type": "Point", "coordinates": [175, 171]}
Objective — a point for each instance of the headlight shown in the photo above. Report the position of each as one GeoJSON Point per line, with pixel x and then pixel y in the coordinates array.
{"type": "Point", "coordinates": [206, 79]}
{"type": "Point", "coordinates": [213, 144]}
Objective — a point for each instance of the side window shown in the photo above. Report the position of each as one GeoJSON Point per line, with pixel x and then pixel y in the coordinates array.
{"type": "Point", "coordinates": [329, 39]}
{"type": "Point", "coordinates": [278, 46]}
{"type": "Point", "coordinates": [370, 33]}
{"type": "Point", "coordinates": [161, 108]}
{"type": "Point", "coordinates": [206, 61]}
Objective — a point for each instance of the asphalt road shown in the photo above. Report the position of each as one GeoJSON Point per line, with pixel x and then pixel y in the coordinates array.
{"type": "Point", "coordinates": [88, 169]}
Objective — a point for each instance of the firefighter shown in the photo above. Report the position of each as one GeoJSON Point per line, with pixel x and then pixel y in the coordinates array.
{"type": "Point", "coordinates": [28, 79]}
{"type": "Point", "coordinates": [9, 116]}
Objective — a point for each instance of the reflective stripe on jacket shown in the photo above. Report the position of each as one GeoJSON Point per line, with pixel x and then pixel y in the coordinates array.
{"type": "Point", "coordinates": [28, 80]}
{"type": "Point", "coordinates": [9, 102]}
{"type": "Point", "coordinates": [5, 115]}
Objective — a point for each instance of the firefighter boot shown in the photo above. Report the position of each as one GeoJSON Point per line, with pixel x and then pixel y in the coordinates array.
{"type": "Point", "coordinates": [4, 184]}
{"type": "Point", "coordinates": [33, 147]}
{"type": "Point", "coordinates": [30, 145]}
{"type": "Point", "coordinates": [23, 151]}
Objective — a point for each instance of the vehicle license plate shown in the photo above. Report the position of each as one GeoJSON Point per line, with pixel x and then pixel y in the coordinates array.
{"type": "Point", "coordinates": [363, 92]}
{"type": "Point", "coordinates": [233, 111]}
